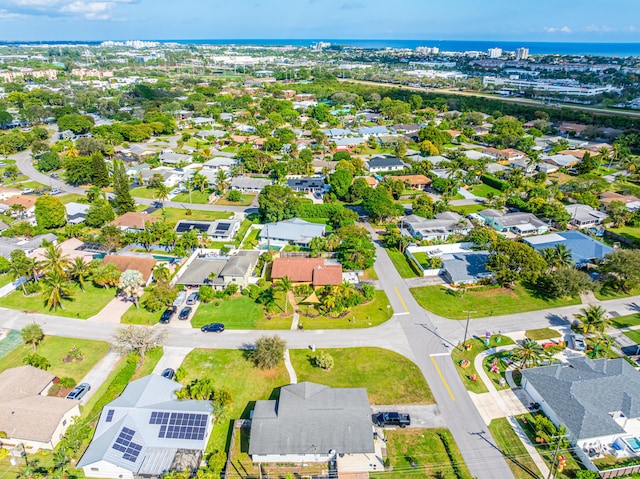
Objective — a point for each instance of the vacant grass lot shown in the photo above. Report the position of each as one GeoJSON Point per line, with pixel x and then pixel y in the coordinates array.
{"type": "Point", "coordinates": [245, 201]}
{"type": "Point", "coordinates": [55, 348]}
{"type": "Point", "coordinates": [402, 264]}
{"type": "Point", "coordinates": [231, 368]}
{"type": "Point", "coordinates": [197, 197]}
{"type": "Point", "coordinates": [176, 214]}
{"type": "Point", "coordinates": [630, 232]}
{"type": "Point", "coordinates": [240, 312]}
{"type": "Point", "coordinates": [519, 460]}
{"type": "Point", "coordinates": [82, 305]}
{"type": "Point", "coordinates": [486, 302]}
{"type": "Point", "coordinates": [422, 454]}
{"type": "Point", "coordinates": [465, 210]}
{"type": "Point", "coordinates": [484, 190]}
{"type": "Point", "coordinates": [388, 377]}
{"type": "Point", "coordinates": [143, 192]}
{"type": "Point", "coordinates": [363, 316]}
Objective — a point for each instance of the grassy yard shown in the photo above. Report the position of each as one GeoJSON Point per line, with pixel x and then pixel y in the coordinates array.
{"type": "Point", "coordinates": [626, 321]}
{"type": "Point", "coordinates": [245, 201]}
{"type": "Point", "coordinates": [484, 190]}
{"type": "Point", "coordinates": [630, 232]}
{"type": "Point", "coordinates": [55, 349]}
{"type": "Point", "coordinates": [633, 335]}
{"type": "Point", "coordinates": [388, 377]}
{"type": "Point", "coordinates": [423, 454]}
{"type": "Point", "coordinates": [402, 264]}
{"type": "Point", "coordinates": [5, 279]}
{"type": "Point", "coordinates": [251, 241]}
{"type": "Point", "coordinates": [140, 315]}
{"type": "Point", "coordinates": [143, 192]}
{"type": "Point", "coordinates": [230, 368]}
{"type": "Point", "coordinates": [465, 210]}
{"type": "Point", "coordinates": [363, 316]}
{"type": "Point", "coordinates": [520, 463]}
{"type": "Point", "coordinates": [485, 302]}
{"type": "Point", "coordinates": [240, 312]}
{"type": "Point", "coordinates": [176, 214]}
{"type": "Point", "coordinates": [70, 198]}
{"type": "Point", "coordinates": [477, 346]}
{"type": "Point", "coordinates": [197, 197]}
{"type": "Point", "coordinates": [543, 333]}
{"type": "Point", "coordinates": [83, 304]}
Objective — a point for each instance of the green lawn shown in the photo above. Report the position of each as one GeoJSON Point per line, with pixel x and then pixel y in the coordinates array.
{"type": "Point", "coordinates": [240, 312]}
{"type": "Point", "coordinates": [83, 304]}
{"type": "Point", "coordinates": [606, 293]}
{"type": "Point", "coordinates": [388, 377]}
{"type": "Point", "coordinates": [516, 455]}
{"type": "Point", "coordinates": [630, 232]}
{"type": "Point", "coordinates": [465, 210]}
{"type": "Point", "coordinates": [230, 368]}
{"type": "Point", "coordinates": [245, 201]}
{"type": "Point", "coordinates": [140, 315]}
{"type": "Point", "coordinates": [70, 198]}
{"type": "Point", "coordinates": [55, 349]}
{"type": "Point", "coordinates": [251, 241]}
{"type": "Point", "coordinates": [477, 346]}
{"type": "Point", "coordinates": [176, 214]}
{"type": "Point", "coordinates": [543, 333]}
{"type": "Point", "coordinates": [402, 264]}
{"type": "Point", "coordinates": [363, 316]}
{"type": "Point", "coordinates": [633, 335]}
{"type": "Point", "coordinates": [626, 321]}
{"type": "Point", "coordinates": [485, 302]}
{"type": "Point", "coordinates": [5, 279]}
{"type": "Point", "coordinates": [422, 454]}
{"type": "Point", "coordinates": [484, 190]}
{"type": "Point", "coordinates": [197, 197]}
{"type": "Point", "coordinates": [143, 192]}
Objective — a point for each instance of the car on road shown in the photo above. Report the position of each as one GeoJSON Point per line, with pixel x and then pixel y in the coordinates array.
{"type": "Point", "coordinates": [168, 314]}
{"type": "Point", "coordinates": [79, 391]}
{"type": "Point", "coordinates": [168, 373]}
{"type": "Point", "coordinates": [54, 175]}
{"type": "Point", "coordinates": [384, 419]}
{"type": "Point", "coordinates": [577, 342]}
{"type": "Point", "coordinates": [180, 299]}
{"type": "Point", "coordinates": [212, 328]}
{"type": "Point", "coordinates": [55, 191]}
{"type": "Point", "coordinates": [157, 204]}
{"type": "Point", "coordinates": [28, 191]}
{"type": "Point", "coordinates": [185, 313]}
{"type": "Point", "coordinates": [193, 298]}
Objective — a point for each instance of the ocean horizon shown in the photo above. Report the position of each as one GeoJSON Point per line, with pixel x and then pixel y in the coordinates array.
{"type": "Point", "coordinates": [609, 49]}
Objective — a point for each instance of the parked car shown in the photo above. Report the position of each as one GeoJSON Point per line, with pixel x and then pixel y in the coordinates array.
{"type": "Point", "coordinates": [28, 191]}
{"type": "Point", "coordinates": [185, 313]}
{"type": "Point", "coordinates": [180, 299]}
{"type": "Point", "coordinates": [54, 175]}
{"type": "Point", "coordinates": [168, 314]}
{"type": "Point", "coordinates": [157, 204]}
{"type": "Point", "coordinates": [168, 373]}
{"type": "Point", "coordinates": [193, 298]}
{"type": "Point", "coordinates": [577, 342]}
{"type": "Point", "coordinates": [79, 391]}
{"type": "Point", "coordinates": [212, 328]}
{"type": "Point", "coordinates": [384, 419]}
{"type": "Point", "coordinates": [55, 191]}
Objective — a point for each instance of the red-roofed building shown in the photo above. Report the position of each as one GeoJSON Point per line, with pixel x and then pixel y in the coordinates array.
{"type": "Point", "coordinates": [307, 270]}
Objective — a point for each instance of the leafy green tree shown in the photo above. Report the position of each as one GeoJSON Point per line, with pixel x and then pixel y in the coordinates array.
{"type": "Point", "coordinates": [511, 261]}
{"type": "Point", "coordinates": [268, 352]}
{"type": "Point", "coordinates": [588, 164]}
{"type": "Point", "coordinates": [235, 196]}
{"type": "Point", "coordinates": [79, 124]}
{"type": "Point", "coordinates": [623, 268]}
{"type": "Point", "coordinates": [48, 161]}
{"type": "Point", "coordinates": [50, 212]}
{"type": "Point", "coordinates": [277, 203]}
{"type": "Point", "coordinates": [106, 275]}
{"type": "Point", "coordinates": [324, 361]}
{"type": "Point", "coordinates": [123, 202]}
{"type": "Point", "coordinates": [357, 253]}
{"type": "Point", "coordinates": [78, 170]}
{"type": "Point", "coordinates": [358, 189]}
{"type": "Point", "coordinates": [437, 137]}
{"type": "Point", "coordinates": [340, 182]}
{"type": "Point", "coordinates": [507, 130]}
{"type": "Point", "coordinates": [206, 293]}
{"type": "Point", "coordinates": [32, 334]}
{"type": "Point", "coordinates": [160, 295]}
{"type": "Point", "coordinates": [99, 172]}
{"type": "Point", "coordinates": [100, 213]}
{"type": "Point", "coordinates": [423, 206]}
{"type": "Point", "coordinates": [564, 282]}
{"type": "Point", "coordinates": [379, 204]}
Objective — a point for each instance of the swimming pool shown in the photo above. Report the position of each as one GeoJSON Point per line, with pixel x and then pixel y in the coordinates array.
{"type": "Point", "coordinates": [633, 443]}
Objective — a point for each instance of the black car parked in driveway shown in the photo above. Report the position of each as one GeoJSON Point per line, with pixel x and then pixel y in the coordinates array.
{"type": "Point", "coordinates": [383, 419]}
{"type": "Point", "coordinates": [168, 314]}
{"type": "Point", "coordinates": [212, 328]}
{"type": "Point", "coordinates": [184, 314]}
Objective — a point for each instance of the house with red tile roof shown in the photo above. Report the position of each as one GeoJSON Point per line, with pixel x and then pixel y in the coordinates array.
{"type": "Point", "coordinates": [307, 270]}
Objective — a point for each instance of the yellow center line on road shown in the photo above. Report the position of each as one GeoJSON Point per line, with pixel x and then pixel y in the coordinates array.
{"type": "Point", "coordinates": [404, 305]}
{"type": "Point", "coordinates": [444, 381]}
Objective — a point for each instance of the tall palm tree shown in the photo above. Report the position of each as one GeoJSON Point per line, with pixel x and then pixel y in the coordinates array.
{"type": "Point", "coordinates": [285, 285]}
{"type": "Point", "coordinates": [16, 271]}
{"type": "Point", "coordinates": [594, 319]}
{"type": "Point", "coordinates": [56, 287]}
{"type": "Point", "coordinates": [55, 260]}
{"type": "Point", "coordinates": [78, 272]}
{"type": "Point", "coordinates": [557, 257]}
{"type": "Point", "coordinates": [162, 193]}
{"type": "Point", "coordinates": [31, 267]}
{"type": "Point", "coordinates": [189, 185]}
{"type": "Point", "coordinates": [529, 353]}
{"type": "Point", "coordinates": [222, 182]}
{"type": "Point", "coordinates": [161, 271]}
{"type": "Point", "coordinates": [200, 181]}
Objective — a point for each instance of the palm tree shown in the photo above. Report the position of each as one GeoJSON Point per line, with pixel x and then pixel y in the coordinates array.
{"type": "Point", "coordinates": [285, 285]}
{"type": "Point", "coordinates": [55, 260]}
{"type": "Point", "coordinates": [601, 346]}
{"type": "Point", "coordinates": [189, 185]}
{"type": "Point", "coordinates": [161, 271]}
{"type": "Point", "coordinates": [529, 353]}
{"type": "Point", "coordinates": [31, 267]}
{"type": "Point", "coordinates": [162, 193]}
{"type": "Point", "coordinates": [558, 257]}
{"type": "Point", "coordinates": [78, 272]}
{"type": "Point", "coordinates": [594, 319]}
{"type": "Point", "coordinates": [17, 270]}
{"type": "Point", "coordinates": [222, 182]}
{"type": "Point", "coordinates": [56, 287]}
{"type": "Point", "coordinates": [200, 181]}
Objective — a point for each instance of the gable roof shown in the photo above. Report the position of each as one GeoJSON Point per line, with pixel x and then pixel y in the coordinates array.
{"type": "Point", "coordinates": [311, 418]}
{"type": "Point", "coordinates": [383, 162]}
{"type": "Point", "coordinates": [137, 263]}
{"type": "Point", "coordinates": [568, 389]}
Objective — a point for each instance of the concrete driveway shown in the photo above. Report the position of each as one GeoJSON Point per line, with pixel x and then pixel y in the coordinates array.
{"type": "Point", "coordinates": [422, 416]}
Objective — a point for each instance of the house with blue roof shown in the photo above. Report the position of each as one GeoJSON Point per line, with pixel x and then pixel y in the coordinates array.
{"type": "Point", "coordinates": [584, 249]}
{"type": "Point", "coordinates": [147, 431]}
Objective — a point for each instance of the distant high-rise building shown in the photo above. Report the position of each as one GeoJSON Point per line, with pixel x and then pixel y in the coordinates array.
{"type": "Point", "coordinates": [495, 52]}
{"type": "Point", "coordinates": [427, 50]}
{"type": "Point", "coordinates": [522, 53]}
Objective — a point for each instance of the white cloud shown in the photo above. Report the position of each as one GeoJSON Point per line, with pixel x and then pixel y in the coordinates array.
{"type": "Point", "coordinates": [87, 9]}
{"type": "Point", "coordinates": [564, 29]}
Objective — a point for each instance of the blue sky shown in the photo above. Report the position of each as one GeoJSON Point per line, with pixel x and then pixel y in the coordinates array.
{"type": "Point", "coordinates": [525, 20]}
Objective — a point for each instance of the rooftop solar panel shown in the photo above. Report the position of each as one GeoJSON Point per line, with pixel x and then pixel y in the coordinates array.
{"type": "Point", "coordinates": [109, 415]}
{"type": "Point", "coordinates": [124, 444]}
{"type": "Point", "coordinates": [184, 426]}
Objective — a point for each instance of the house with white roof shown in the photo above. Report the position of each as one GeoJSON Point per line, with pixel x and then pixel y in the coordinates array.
{"type": "Point", "coordinates": [584, 216]}
{"type": "Point", "coordinates": [440, 228]}
{"type": "Point", "coordinates": [519, 223]}
{"type": "Point", "coordinates": [294, 231]}
{"type": "Point", "coordinates": [147, 431]}
{"type": "Point", "coordinates": [219, 163]}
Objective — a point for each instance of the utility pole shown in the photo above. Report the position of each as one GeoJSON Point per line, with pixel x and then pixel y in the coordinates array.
{"type": "Point", "coordinates": [466, 327]}
{"type": "Point", "coordinates": [554, 468]}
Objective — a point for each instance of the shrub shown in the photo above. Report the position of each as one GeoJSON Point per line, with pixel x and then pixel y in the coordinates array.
{"type": "Point", "coordinates": [494, 182]}
{"type": "Point", "coordinates": [206, 293]}
{"type": "Point", "coordinates": [323, 361]}
{"type": "Point", "coordinates": [269, 352]}
{"type": "Point", "coordinates": [234, 195]}
{"type": "Point", "coordinates": [76, 353]}
{"type": "Point", "coordinates": [67, 382]}
{"type": "Point", "coordinates": [36, 361]}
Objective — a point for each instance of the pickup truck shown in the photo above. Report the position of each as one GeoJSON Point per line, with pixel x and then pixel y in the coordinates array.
{"type": "Point", "coordinates": [384, 419]}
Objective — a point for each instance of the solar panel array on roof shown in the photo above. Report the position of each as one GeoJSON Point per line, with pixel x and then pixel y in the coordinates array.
{"type": "Point", "coordinates": [109, 415]}
{"type": "Point", "coordinates": [184, 426]}
{"type": "Point", "coordinates": [129, 449]}
{"type": "Point", "coordinates": [222, 229]}
{"type": "Point", "coordinates": [185, 226]}
{"type": "Point", "coordinates": [159, 418]}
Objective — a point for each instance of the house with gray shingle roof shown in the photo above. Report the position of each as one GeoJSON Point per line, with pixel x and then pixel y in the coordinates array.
{"type": "Point", "coordinates": [597, 401]}
{"type": "Point", "coordinates": [312, 423]}
{"type": "Point", "coordinates": [146, 432]}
